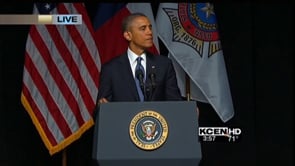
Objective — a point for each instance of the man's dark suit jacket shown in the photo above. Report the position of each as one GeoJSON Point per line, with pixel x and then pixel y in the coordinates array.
{"type": "Point", "coordinates": [117, 82]}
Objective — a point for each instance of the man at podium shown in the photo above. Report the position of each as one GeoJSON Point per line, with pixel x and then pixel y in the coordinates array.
{"type": "Point", "coordinates": [131, 132]}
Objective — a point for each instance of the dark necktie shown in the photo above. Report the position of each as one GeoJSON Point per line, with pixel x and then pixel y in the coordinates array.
{"type": "Point", "coordinates": [139, 72]}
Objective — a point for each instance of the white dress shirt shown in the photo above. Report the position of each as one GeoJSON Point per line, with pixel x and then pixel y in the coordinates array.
{"type": "Point", "coordinates": [132, 60]}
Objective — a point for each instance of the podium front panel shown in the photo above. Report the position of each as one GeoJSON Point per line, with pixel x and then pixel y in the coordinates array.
{"type": "Point", "coordinates": [113, 145]}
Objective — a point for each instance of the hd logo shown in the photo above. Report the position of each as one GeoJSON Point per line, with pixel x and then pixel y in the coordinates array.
{"type": "Point", "coordinates": [211, 134]}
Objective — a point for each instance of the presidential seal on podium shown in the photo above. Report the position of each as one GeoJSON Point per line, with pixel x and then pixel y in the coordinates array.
{"type": "Point", "coordinates": [148, 130]}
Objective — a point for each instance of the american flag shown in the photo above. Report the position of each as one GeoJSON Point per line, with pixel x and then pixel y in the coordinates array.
{"type": "Point", "coordinates": [61, 76]}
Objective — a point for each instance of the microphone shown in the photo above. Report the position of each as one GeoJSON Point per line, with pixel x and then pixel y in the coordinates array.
{"type": "Point", "coordinates": [139, 76]}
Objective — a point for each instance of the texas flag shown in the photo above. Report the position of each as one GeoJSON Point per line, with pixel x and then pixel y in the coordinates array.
{"type": "Point", "coordinates": [108, 28]}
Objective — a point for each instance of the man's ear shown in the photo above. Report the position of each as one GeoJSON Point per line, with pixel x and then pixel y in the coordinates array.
{"type": "Point", "coordinates": [127, 35]}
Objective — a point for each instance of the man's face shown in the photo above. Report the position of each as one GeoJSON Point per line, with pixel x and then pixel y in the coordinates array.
{"type": "Point", "coordinates": [141, 35]}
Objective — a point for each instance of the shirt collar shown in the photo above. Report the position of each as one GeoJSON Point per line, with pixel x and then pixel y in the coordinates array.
{"type": "Point", "coordinates": [132, 56]}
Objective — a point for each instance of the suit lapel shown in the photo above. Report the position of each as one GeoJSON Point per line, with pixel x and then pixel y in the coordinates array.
{"type": "Point", "coordinates": [149, 64]}
{"type": "Point", "coordinates": [126, 71]}
{"type": "Point", "coordinates": [150, 68]}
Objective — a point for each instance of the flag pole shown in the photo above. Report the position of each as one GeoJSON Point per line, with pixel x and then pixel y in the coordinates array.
{"type": "Point", "coordinates": [187, 87]}
{"type": "Point", "coordinates": [188, 91]}
{"type": "Point", "coordinates": [64, 157]}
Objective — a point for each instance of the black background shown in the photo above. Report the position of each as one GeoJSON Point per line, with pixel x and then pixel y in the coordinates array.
{"type": "Point", "coordinates": [257, 41]}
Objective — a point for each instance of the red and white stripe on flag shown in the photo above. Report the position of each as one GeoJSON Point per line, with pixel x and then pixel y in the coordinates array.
{"type": "Point", "coordinates": [61, 77]}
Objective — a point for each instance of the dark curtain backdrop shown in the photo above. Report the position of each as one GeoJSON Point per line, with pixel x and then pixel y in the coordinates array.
{"type": "Point", "coordinates": [257, 41]}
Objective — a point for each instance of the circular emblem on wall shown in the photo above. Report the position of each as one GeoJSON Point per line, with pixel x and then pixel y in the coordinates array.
{"type": "Point", "coordinates": [148, 130]}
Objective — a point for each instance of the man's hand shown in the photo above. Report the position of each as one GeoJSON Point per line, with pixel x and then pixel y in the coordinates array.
{"type": "Point", "coordinates": [103, 100]}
